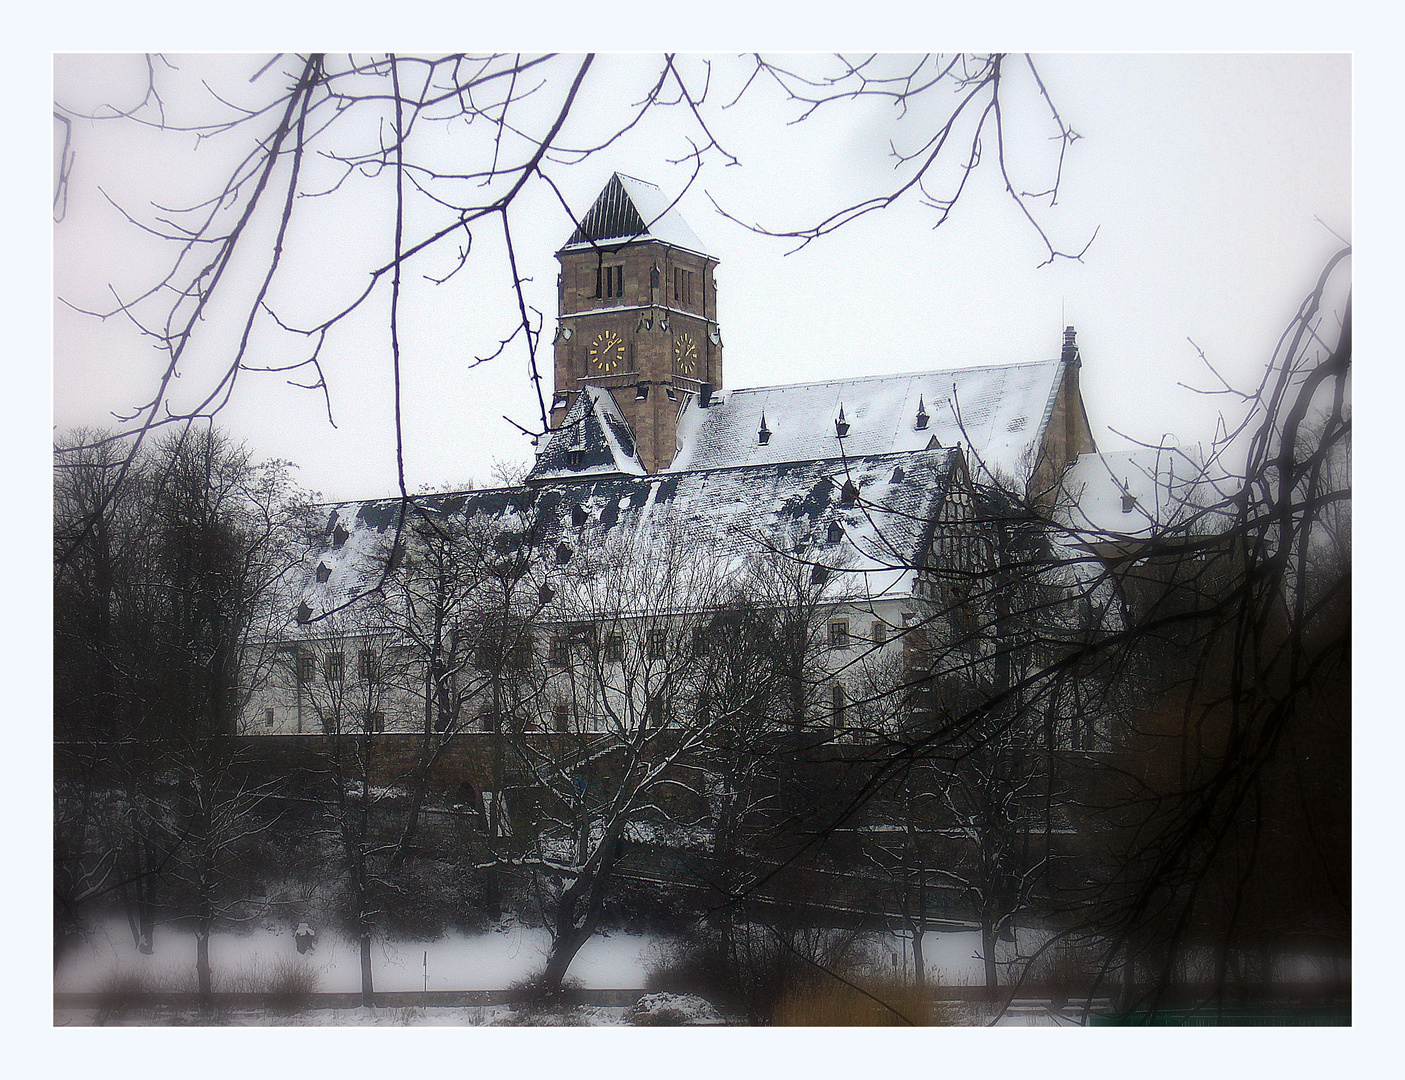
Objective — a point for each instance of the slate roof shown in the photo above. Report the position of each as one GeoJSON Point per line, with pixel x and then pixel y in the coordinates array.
{"type": "Point", "coordinates": [1000, 410]}
{"type": "Point", "coordinates": [731, 515]}
{"type": "Point", "coordinates": [593, 439]}
{"type": "Point", "coordinates": [630, 209]}
{"type": "Point", "coordinates": [1136, 493]}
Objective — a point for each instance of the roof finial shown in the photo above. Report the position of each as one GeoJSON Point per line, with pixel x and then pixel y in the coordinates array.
{"type": "Point", "coordinates": [1070, 354]}
{"type": "Point", "coordinates": [841, 426]}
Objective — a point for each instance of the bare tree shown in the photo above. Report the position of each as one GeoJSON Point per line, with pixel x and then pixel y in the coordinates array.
{"type": "Point", "coordinates": [164, 649]}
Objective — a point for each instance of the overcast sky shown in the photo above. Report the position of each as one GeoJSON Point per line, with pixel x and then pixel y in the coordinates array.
{"type": "Point", "coordinates": [1202, 176]}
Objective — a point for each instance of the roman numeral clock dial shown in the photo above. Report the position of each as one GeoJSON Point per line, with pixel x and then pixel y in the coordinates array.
{"type": "Point", "coordinates": [606, 353]}
{"type": "Point", "coordinates": [685, 354]}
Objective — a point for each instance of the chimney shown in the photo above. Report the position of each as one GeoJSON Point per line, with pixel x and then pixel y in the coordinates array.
{"type": "Point", "coordinates": [705, 396]}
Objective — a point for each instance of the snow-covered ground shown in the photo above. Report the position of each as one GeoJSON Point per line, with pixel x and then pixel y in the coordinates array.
{"type": "Point", "coordinates": [488, 961]}
{"type": "Point", "coordinates": [485, 961]}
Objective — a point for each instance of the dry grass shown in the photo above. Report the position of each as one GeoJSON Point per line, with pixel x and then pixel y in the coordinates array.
{"type": "Point", "coordinates": [833, 1004]}
{"type": "Point", "coordinates": [289, 984]}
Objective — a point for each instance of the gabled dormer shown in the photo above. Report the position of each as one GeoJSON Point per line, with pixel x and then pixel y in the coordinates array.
{"type": "Point", "coordinates": [593, 440]}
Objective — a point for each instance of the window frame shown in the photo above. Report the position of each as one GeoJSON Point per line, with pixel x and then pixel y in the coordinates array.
{"type": "Point", "coordinates": [609, 281]}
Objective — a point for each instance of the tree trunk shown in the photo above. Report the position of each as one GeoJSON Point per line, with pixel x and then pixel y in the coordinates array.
{"type": "Point", "coordinates": [368, 992]}
{"type": "Point", "coordinates": [586, 894]}
{"type": "Point", "coordinates": [202, 961]}
{"type": "Point", "coordinates": [919, 967]}
{"type": "Point", "coordinates": [988, 947]}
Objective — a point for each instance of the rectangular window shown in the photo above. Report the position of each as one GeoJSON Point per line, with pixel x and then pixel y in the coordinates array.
{"type": "Point", "coordinates": [658, 644]}
{"type": "Point", "coordinates": [307, 668]}
{"type": "Point", "coordinates": [880, 632]}
{"type": "Point", "coordinates": [839, 633]}
{"type": "Point", "coordinates": [614, 648]}
{"type": "Point", "coordinates": [609, 284]}
{"type": "Point", "coordinates": [375, 722]}
{"type": "Point", "coordinates": [368, 666]}
{"type": "Point", "coordinates": [583, 633]}
{"type": "Point", "coordinates": [838, 700]}
{"type": "Point", "coordinates": [682, 286]}
{"type": "Point", "coordinates": [561, 718]}
{"type": "Point", "coordinates": [268, 717]}
{"type": "Point", "coordinates": [333, 666]}
{"type": "Point", "coordinates": [560, 653]}
{"type": "Point", "coordinates": [657, 708]}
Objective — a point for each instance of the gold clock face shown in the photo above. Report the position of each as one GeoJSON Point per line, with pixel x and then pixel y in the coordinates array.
{"type": "Point", "coordinates": [685, 354]}
{"type": "Point", "coordinates": [607, 353]}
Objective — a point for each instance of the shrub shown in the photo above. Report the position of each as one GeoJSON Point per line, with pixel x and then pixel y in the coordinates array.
{"type": "Point", "coordinates": [762, 966]}
{"type": "Point", "coordinates": [287, 984]}
{"type": "Point", "coordinates": [291, 986]}
{"type": "Point", "coordinates": [834, 1004]}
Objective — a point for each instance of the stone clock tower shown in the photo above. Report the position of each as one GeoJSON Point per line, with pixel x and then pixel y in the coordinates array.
{"type": "Point", "coordinates": [638, 315]}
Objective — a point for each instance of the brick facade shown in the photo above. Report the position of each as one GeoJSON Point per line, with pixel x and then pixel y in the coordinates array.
{"type": "Point", "coordinates": [667, 324]}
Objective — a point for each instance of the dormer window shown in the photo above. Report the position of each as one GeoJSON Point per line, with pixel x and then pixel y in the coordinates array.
{"type": "Point", "coordinates": [1129, 502]}
{"type": "Point", "coordinates": [850, 493]}
{"type": "Point", "coordinates": [323, 573]}
{"type": "Point", "coordinates": [841, 426]}
{"type": "Point", "coordinates": [641, 392]}
{"type": "Point", "coordinates": [339, 536]}
{"type": "Point", "coordinates": [578, 516]}
{"type": "Point", "coordinates": [763, 434]}
{"type": "Point", "coordinates": [922, 416]}
{"type": "Point", "coordinates": [836, 532]}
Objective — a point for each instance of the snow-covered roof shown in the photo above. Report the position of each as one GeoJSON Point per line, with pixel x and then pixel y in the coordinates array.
{"type": "Point", "coordinates": [593, 439]}
{"type": "Point", "coordinates": [999, 411]}
{"type": "Point", "coordinates": [1137, 493]}
{"type": "Point", "coordinates": [868, 540]}
{"type": "Point", "coordinates": [630, 209]}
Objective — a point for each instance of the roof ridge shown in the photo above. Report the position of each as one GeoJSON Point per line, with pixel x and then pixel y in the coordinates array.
{"type": "Point", "coordinates": [894, 375]}
{"type": "Point", "coordinates": [802, 461]}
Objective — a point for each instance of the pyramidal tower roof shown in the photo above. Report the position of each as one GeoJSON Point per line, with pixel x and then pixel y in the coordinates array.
{"type": "Point", "coordinates": [630, 210]}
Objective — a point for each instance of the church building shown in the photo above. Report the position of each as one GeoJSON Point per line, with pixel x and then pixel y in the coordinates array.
{"type": "Point", "coordinates": [851, 480]}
